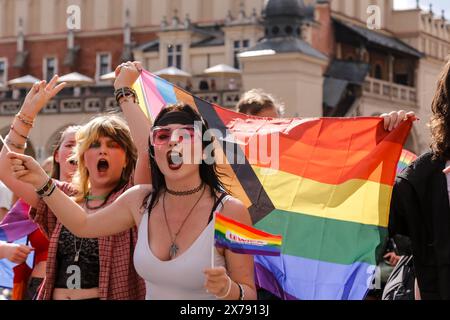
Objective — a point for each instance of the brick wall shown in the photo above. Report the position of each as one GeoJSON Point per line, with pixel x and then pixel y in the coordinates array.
{"type": "Point", "coordinates": [86, 59]}
{"type": "Point", "coordinates": [323, 34]}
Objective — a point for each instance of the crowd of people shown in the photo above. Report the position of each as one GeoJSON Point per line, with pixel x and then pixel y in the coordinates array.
{"type": "Point", "coordinates": [121, 217]}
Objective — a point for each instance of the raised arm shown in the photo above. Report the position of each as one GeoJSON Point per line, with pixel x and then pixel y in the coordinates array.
{"type": "Point", "coordinates": [39, 95]}
{"type": "Point", "coordinates": [126, 76]}
{"type": "Point", "coordinates": [117, 217]}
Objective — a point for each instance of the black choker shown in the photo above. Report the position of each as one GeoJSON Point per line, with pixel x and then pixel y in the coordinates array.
{"type": "Point", "coordinates": [184, 193]}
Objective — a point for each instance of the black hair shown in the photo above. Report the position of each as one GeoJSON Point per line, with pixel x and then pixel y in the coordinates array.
{"type": "Point", "coordinates": [209, 173]}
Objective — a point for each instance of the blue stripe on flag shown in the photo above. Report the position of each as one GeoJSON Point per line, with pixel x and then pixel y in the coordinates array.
{"type": "Point", "coordinates": [166, 90]}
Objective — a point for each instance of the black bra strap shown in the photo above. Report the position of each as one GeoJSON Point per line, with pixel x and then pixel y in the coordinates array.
{"type": "Point", "coordinates": [211, 216]}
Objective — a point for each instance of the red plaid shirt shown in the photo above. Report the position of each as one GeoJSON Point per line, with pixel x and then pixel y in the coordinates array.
{"type": "Point", "coordinates": [118, 279]}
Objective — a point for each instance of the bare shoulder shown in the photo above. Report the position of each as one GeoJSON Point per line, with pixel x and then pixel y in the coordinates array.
{"type": "Point", "coordinates": [234, 209]}
{"type": "Point", "coordinates": [135, 196]}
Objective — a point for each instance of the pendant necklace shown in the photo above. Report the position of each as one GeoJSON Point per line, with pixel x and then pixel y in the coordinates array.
{"type": "Point", "coordinates": [77, 251]}
{"type": "Point", "coordinates": [173, 249]}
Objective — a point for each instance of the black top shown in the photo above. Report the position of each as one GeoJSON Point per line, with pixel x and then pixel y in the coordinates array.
{"type": "Point", "coordinates": [420, 210]}
{"type": "Point", "coordinates": [88, 262]}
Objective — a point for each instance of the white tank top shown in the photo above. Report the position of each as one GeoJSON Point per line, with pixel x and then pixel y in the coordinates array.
{"type": "Point", "coordinates": [181, 278]}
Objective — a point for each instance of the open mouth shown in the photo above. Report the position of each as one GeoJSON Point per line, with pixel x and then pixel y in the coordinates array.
{"type": "Point", "coordinates": [175, 160]}
{"type": "Point", "coordinates": [102, 165]}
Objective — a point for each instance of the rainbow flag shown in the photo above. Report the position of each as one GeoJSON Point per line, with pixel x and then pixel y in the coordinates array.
{"type": "Point", "coordinates": [16, 223]}
{"type": "Point", "coordinates": [406, 159]}
{"type": "Point", "coordinates": [15, 228]}
{"type": "Point", "coordinates": [329, 196]}
{"type": "Point", "coordinates": [239, 238]}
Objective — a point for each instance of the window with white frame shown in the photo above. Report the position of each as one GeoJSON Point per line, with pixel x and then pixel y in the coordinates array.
{"type": "Point", "coordinates": [174, 55]}
{"type": "Point", "coordinates": [238, 47]}
{"type": "Point", "coordinates": [3, 71]}
{"type": "Point", "coordinates": [50, 67]}
{"type": "Point", "coordinates": [103, 64]}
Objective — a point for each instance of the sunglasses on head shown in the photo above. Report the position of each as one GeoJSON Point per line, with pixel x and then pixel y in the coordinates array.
{"type": "Point", "coordinates": [163, 135]}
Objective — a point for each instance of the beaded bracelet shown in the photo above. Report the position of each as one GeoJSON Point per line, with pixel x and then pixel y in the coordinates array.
{"type": "Point", "coordinates": [18, 133]}
{"type": "Point", "coordinates": [26, 122]}
{"type": "Point", "coordinates": [27, 117]}
{"type": "Point", "coordinates": [15, 145]}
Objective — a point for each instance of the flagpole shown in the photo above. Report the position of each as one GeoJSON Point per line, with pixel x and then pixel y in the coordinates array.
{"type": "Point", "coordinates": [4, 143]}
{"type": "Point", "coordinates": [213, 244]}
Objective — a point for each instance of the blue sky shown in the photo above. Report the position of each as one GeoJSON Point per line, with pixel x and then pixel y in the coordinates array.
{"type": "Point", "coordinates": [438, 5]}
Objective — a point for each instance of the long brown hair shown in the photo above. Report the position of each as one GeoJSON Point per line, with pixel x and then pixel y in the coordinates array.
{"type": "Point", "coordinates": [440, 121]}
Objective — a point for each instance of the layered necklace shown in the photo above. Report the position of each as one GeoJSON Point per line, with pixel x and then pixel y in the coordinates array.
{"type": "Point", "coordinates": [173, 249]}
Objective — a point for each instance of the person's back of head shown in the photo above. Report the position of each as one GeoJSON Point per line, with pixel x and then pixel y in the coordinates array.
{"type": "Point", "coordinates": [256, 102]}
{"type": "Point", "coordinates": [440, 121]}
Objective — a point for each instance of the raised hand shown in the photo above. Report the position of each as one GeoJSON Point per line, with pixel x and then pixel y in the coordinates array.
{"type": "Point", "coordinates": [127, 74]}
{"type": "Point", "coordinates": [40, 94]}
{"type": "Point", "coordinates": [394, 118]}
{"type": "Point", "coordinates": [26, 169]}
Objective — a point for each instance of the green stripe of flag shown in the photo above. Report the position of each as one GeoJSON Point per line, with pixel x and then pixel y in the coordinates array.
{"type": "Point", "coordinates": [325, 239]}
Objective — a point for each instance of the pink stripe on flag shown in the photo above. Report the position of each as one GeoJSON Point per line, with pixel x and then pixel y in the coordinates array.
{"type": "Point", "coordinates": [155, 102]}
{"type": "Point", "coordinates": [16, 224]}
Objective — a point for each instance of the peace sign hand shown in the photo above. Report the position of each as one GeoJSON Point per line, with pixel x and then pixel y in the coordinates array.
{"type": "Point", "coordinates": [40, 94]}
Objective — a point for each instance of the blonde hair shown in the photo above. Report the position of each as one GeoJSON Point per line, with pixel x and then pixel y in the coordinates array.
{"type": "Point", "coordinates": [256, 100]}
{"type": "Point", "coordinates": [56, 168]}
{"type": "Point", "coordinates": [111, 126]}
